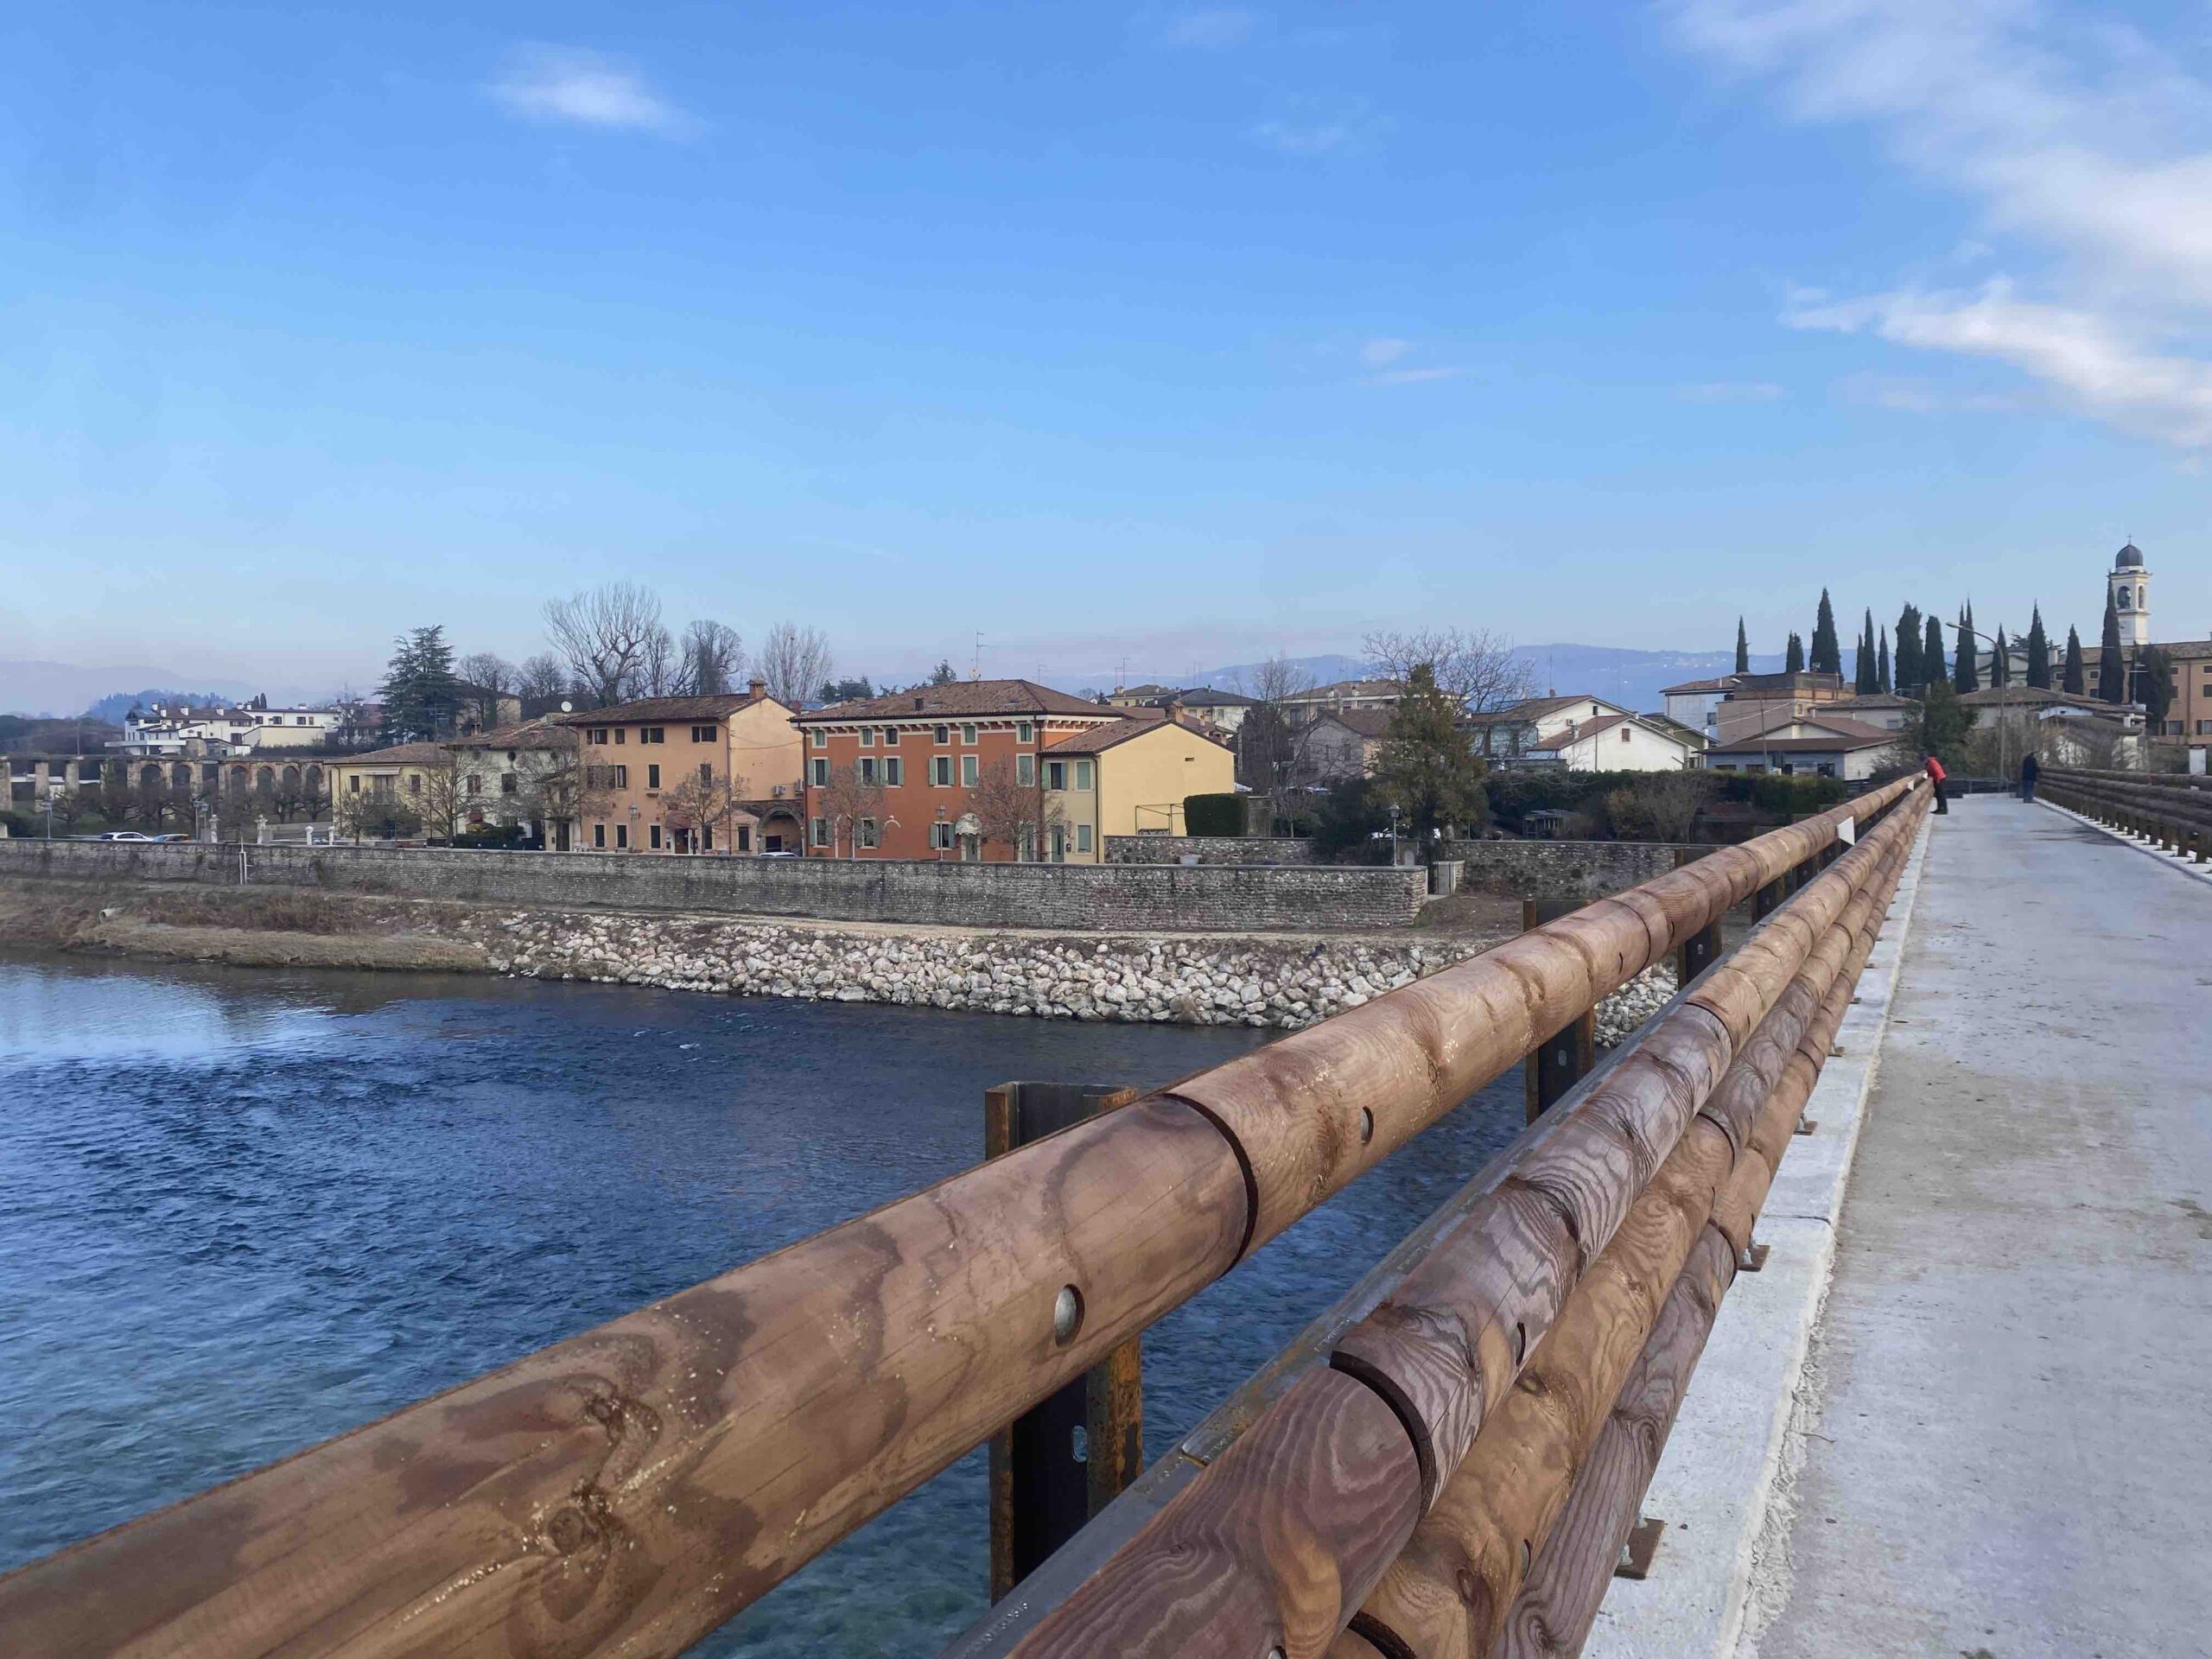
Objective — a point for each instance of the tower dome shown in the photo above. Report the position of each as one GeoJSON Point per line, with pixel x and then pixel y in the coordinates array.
{"type": "Point", "coordinates": [2128, 558]}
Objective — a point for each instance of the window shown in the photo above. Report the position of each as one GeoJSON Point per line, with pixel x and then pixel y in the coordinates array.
{"type": "Point", "coordinates": [652, 734]}
{"type": "Point", "coordinates": [2204, 728]}
{"type": "Point", "coordinates": [891, 737]}
{"type": "Point", "coordinates": [820, 739]}
{"type": "Point", "coordinates": [895, 772]}
{"type": "Point", "coordinates": [940, 837]}
{"type": "Point", "coordinates": [1024, 770]}
{"type": "Point", "coordinates": [1056, 774]}
{"type": "Point", "coordinates": [867, 832]}
{"type": "Point", "coordinates": [1624, 733]}
{"type": "Point", "coordinates": [622, 837]}
{"type": "Point", "coordinates": [1082, 837]}
{"type": "Point", "coordinates": [941, 771]}
{"type": "Point", "coordinates": [968, 734]}
{"type": "Point", "coordinates": [818, 831]}
{"type": "Point", "coordinates": [653, 777]}
{"type": "Point", "coordinates": [598, 734]}
{"type": "Point", "coordinates": [821, 771]}
{"type": "Point", "coordinates": [1022, 730]}
{"type": "Point", "coordinates": [706, 838]}
{"type": "Point", "coordinates": [706, 771]}
{"type": "Point", "coordinates": [413, 783]}
{"type": "Point", "coordinates": [944, 732]}
{"type": "Point", "coordinates": [353, 785]}
{"type": "Point", "coordinates": [967, 770]}
{"type": "Point", "coordinates": [474, 784]}
{"type": "Point", "coordinates": [599, 835]}
{"type": "Point", "coordinates": [652, 837]}
{"type": "Point", "coordinates": [867, 768]}
{"type": "Point", "coordinates": [508, 783]}
{"type": "Point", "coordinates": [1082, 774]}
{"type": "Point", "coordinates": [621, 732]}
{"type": "Point", "coordinates": [868, 737]}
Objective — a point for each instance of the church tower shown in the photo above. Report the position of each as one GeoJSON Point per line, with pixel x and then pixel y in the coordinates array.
{"type": "Point", "coordinates": [2131, 596]}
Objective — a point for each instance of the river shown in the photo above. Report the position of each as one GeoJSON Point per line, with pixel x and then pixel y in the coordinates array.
{"type": "Point", "coordinates": [243, 1209]}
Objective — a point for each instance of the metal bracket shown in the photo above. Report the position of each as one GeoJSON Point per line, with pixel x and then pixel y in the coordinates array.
{"type": "Point", "coordinates": [1835, 1050]}
{"type": "Point", "coordinates": [1752, 1258]}
{"type": "Point", "coordinates": [1807, 1125]}
{"type": "Point", "coordinates": [1639, 1548]}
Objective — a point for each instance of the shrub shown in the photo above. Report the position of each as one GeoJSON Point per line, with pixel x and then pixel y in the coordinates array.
{"type": "Point", "coordinates": [1213, 815]}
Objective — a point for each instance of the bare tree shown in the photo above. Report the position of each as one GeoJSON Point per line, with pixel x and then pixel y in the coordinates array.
{"type": "Point", "coordinates": [713, 657]}
{"type": "Point", "coordinates": [848, 800]}
{"type": "Point", "coordinates": [1274, 739]}
{"type": "Point", "coordinates": [703, 802]}
{"type": "Point", "coordinates": [542, 676]}
{"type": "Point", "coordinates": [604, 634]}
{"type": "Point", "coordinates": [660, 668]}
{"type": "Point", "coordinates": [1476, 669]}
{"type": "Point", "coordinates": [553, 786]}
{"type": "Point", "coordinates": [1015, 814]}
{"type": "Point", "coordinates": [794, 661]}
{"type": "Point", "coordinates": [486, 678]}
{"type": "Point", "coordinates": [442, 797]}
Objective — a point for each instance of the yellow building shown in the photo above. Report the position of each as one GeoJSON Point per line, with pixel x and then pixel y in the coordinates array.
{"type": "Point", "coordinates": [1128, 777]}
{"type": "Point", "coordinates": [716, 774]}
{"type": "Point", "coordinates": [393, 793]}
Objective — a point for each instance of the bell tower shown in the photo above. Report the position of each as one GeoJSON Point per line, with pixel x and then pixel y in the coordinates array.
{"type": "Point", "coordinates": [2130, 582]}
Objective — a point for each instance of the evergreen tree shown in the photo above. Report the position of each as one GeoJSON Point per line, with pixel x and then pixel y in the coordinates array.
{"type": "Point", "coordinates": [2154, 686]}
{"type": "Point", "coordinates": [1966, 671]}
{"type": "Point", "coordinates": [419, 694]}
{"type": "Point", "coordinates": [1870, 674]}
{"type": "Point", "coordinates": [1939, 726]}
{"type": "Point", "coordinates": [1743, 649]}
{"type": "Point", "coordinates": [1931, 654]}
{"type": "Point", "coordinates": [943, 674]}
{"type": "Point", "coordinates": [1882, 682]}
{"type": "Point", "coordinates": [2072, 680]}
{"type": "Point", "coordinates": [1793, 657]}
{"type": "Point", "coordinates": [1908, 634]}
{"type": "Point", "coordinates": [1827, 652]}
{"type": "Point", "coordinates": [2001, 671]}
{"type": "Point", "coordinates": [2038, 652]}
{"type": "Point", "coordinates": [2111, 671]}
{"type": "Point", "coordinates": [1426, 765]}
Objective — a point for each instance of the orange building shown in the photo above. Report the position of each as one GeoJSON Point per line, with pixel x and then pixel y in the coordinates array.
{"type": "Point", "coordinates": [686, 774]}
{"type": "Point", "coordinates": [898, 776]}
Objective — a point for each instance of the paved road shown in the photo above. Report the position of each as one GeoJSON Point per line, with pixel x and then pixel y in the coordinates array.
{"type": "Point", "coordinates": [2012, 1450]}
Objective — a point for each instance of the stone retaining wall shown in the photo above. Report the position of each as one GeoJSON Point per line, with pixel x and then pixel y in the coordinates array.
{"type": "Point", "coordinates": [1562, 869]}
{"type": "Point", "coordinates": [1208, 849]}
{"type": "Point", "coordinates": [1096, 897]}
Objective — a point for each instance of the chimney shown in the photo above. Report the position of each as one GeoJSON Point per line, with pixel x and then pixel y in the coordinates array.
{"type": "Point", "coordinates": [757, 688]}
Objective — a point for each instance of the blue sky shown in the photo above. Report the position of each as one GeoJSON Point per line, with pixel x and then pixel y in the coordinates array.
{"type": "Point", "coordinates": [1175, 336]}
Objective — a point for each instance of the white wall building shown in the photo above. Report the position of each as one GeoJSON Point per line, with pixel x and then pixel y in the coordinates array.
{"type": "Point", "coordinates": [1619, 742]}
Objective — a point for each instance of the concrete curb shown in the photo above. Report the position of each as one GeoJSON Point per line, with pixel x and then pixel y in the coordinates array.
{"type": "Point", "coordinates": [2172, 861]}
{"type": "Point", "coordinates": [1724, 1486]}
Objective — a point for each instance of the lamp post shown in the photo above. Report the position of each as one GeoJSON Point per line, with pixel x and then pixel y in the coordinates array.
{"type": "Point", "coordinates": [2004, 697]}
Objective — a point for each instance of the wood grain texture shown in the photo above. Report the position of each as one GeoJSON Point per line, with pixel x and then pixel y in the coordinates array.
{"type": "Point", "coordinates": [1552, 1616]}
{"type": "Point", "coordinates": [1275, 1546]}
{"type": "Point", "coordinates": [634, 1486]}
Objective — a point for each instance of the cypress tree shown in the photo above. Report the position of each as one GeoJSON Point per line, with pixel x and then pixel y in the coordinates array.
{"type": "Point", "coordinates": [1931, 654]}
{"type": "Point", "coordinates": [1882, 682]}
{"type": "Point", "coordinates": [1743, 649]}
{"type": "Point", "coordinates": [1870, 675]}
{"type": "Point", "coordinates": [2112, 672]}
{"type": "Point", "coordinates": [2038, 652]}
{"type": "Point", "coordinates": [1793, 660]}
{"type": "Point", "coordinates": [1827, 652]}
{"type": "Point", "coordinates": [1966, 672]}
{"type": "Point", "coordinates": [2001, 671]}
{"type": "Point", "coordinates": [2073, 680]}
{"type": "Point", "coordinates": [1909, 630]}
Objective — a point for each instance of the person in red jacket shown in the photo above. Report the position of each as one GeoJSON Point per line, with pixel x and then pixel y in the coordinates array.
{"type": "Point", "coordinates": [1935, 777]}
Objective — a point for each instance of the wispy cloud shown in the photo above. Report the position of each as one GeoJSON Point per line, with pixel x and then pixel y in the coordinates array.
{"type": "Point", "coordinates": [1413, 377]}
{"type": "Point", "coordinates": [1916, 397]}
{"type": "Point", "coordinates": [1210, 28]}
{"type": "Point", "coordinates": [546, 83]}
{"type": "Point", "coordinates": [2079, 141]}
{"type": "Point", "coordinates": [1381, 354]}
{"type": "Point", "coordinates": [1318, 129]}
{"type": "Point", "coordinates": [1731, 391]}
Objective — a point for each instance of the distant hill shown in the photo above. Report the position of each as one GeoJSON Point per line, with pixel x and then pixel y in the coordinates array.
{"type": "Point", "coordinates": [113, 707]}
{"type": "Point", "coordinates": [1634, 678]}
{"type": "Point", "coordinates": [63, 690]}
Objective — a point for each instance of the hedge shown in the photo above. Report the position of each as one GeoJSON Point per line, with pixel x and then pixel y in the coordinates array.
{"type": "Point", "coordinates": [1213, 815]}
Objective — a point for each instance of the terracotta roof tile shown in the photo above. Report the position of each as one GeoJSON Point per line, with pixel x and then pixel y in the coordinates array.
{"type": "Point", "coordinates": [963, 700]}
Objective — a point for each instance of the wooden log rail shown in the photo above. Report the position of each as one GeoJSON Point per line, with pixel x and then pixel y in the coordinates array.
{"type": "Point", "coordinates": [2165, 813]}
{"type": "Point", "coordinates": [629, 1489]}
{"type": "Point", "coordinates": [1426, 1407]}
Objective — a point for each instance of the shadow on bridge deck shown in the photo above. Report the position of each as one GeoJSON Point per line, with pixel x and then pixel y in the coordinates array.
{"type": "Point", "coordinates": [2006, 1451]}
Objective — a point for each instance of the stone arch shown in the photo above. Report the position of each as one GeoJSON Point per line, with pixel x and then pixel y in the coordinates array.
{"type": "Point", "coordinates": [180, 776]}
{"type": "Point", "coordinates": [291, 780]}
{"type": "Point", "coordinates": [237, 780]}
{"type": "Point", "coordinates": [265, 779]}
{"type": "Point", "coordinates": [314, 780]}
{"type": "Point", "coordinates": [149, 776]}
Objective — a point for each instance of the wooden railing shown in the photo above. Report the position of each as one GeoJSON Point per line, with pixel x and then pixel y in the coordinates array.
{"type": "Point", "coordinates": [632, 1488]}
{"type": "Point", "coordinates": [2168, 810]}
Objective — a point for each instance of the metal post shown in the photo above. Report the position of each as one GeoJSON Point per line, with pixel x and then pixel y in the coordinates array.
{"type": "Point", "coordinates": [1068, 1456]}
{"type": "Point", "coordinates": [1565, 1057]}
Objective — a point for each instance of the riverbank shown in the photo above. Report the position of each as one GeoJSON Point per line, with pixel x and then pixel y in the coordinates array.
{"type": "Point", "coordinates": [1278, 981]}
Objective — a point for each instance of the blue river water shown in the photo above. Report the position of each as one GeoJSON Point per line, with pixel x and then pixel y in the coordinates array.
{"type": "Point", "coordinates": [243, 1209]}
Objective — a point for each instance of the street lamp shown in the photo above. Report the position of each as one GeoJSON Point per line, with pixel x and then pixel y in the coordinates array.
{"type": "Point", "coordinates": [2004, 697]}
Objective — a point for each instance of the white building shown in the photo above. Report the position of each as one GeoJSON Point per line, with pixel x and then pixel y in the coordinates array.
{"type": "Point", "coordinates": [1693, 701]}
{"type": "Point", "coordinates": [1830, 747]}
{"type": "Point", "coordinates": [1619, 742]}
{"type": "Point", "coordinates": [171, 729]}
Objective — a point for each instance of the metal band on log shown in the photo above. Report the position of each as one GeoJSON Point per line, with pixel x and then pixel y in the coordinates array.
{"type": "Point", "coordinates": [634, 1486]}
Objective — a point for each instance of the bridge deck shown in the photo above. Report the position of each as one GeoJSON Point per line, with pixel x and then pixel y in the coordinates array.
{"type": "Point", "coordinates": [2007, 1451]}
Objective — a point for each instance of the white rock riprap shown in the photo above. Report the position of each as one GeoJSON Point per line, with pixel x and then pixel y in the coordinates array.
{"type": "Point", "coordinates": [1205, 982]}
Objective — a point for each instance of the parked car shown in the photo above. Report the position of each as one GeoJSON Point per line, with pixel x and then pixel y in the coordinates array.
{"type": "Point", "coordinates": [121, 835]}
{"type": "Point", "coordinates": [171, 837]}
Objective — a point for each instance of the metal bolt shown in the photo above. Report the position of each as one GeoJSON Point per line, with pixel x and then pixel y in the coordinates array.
{"type": "Point", "coordinates": [1067, 1313]}
{"type": "Point", "coordinates": [1366, 1126]}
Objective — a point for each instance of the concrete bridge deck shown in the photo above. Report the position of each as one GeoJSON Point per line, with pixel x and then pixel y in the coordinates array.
{"type": "Point", "coordinates": [2004, 1442]}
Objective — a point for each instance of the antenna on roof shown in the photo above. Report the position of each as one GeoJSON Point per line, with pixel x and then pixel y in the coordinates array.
{"type": "Point", "coordinates": [976, 670]}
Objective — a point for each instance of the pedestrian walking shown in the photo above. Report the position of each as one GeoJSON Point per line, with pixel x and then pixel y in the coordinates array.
{"type": "Point", "coordinates": [1935, 777]}
{"type": "Point", "coordinates": [2031, 769]}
